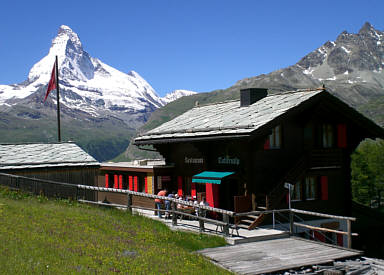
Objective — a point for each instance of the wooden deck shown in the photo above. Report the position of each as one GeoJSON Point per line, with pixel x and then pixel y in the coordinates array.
{"type": "Point", "coordinates": [275, 255]}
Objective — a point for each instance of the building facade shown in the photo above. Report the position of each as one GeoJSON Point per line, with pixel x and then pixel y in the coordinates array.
{"type": "Point", "coordinates": [304, 138]}
{"type": "Point", "coordinates": [146, 176]}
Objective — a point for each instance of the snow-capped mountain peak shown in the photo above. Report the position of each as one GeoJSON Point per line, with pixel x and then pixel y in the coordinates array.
{"type": "Point", "coordinates": [74, 62]}
{"type": "Point", "coordinates": [176, 94]}
{"type": "Point", "coordinates": [89, 85]}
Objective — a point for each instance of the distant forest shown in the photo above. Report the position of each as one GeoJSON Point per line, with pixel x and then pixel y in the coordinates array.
{"type": "Point", "coordinates": [368, 173]}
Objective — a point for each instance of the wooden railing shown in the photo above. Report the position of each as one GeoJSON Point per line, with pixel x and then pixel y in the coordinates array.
{"type": "Point", "coordinates": [67, 190]}
{"type": "Point", "coordinates": [291, 212]}
{"type": "Point", "coordinates": [225, 224]}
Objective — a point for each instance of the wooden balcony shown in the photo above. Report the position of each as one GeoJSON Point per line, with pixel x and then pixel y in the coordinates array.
{"type": "Point", "coordinates": [327, 157]}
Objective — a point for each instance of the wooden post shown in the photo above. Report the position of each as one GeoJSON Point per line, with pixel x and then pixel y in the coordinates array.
{"type": "Point", "coordinates": [291, 222]}
{"type": "Point", "coordinates": [201, 222]}
{"type": "Point", "coordinates": [174, 215]}
{"type": "Point", "coordinates": [226, 226]}
{"type": "Point", "coordinates": [349, 230]}
{"type": "Point", "coordinates": [35, 188]}
{"type": "Point", "coordinates": [129, 203]}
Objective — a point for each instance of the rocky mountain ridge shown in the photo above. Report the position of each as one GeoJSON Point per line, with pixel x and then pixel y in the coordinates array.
{"type": "Point", "coordinates": [351, 67]}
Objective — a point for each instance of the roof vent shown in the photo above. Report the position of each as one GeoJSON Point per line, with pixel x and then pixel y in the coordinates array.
{"type": "Point", "coordinates": [251, 95]}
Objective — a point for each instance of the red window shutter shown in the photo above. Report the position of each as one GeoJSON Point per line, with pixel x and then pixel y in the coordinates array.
{"type": "Point", "coordinates": [120, 182]}
{"type": "Point", "coordinates": [324, 187]}
{"type": "Point", "coordinates": [209, 193]}
{"type": "Point", "coordinates": [115, 182]}
{"type": "Point", "coordinates": [135, 187]}
{"type": "Point", "coordinates": [146, 184]}
{"type": "Point", "coordinates": [130, 179]}
{"type": "Point", "coordinates": [193, 189]}
{"type": "Point", "coordinates": [266, 144]}
{"type": "Point", "coordinates": [341, 135]}
{"type": "Point", "coordinates": [106, 181]}
{"type": "Point", "coordinates": [180, 185]}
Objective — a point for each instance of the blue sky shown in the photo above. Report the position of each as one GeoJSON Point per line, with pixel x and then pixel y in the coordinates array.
{"type": "Point", "coordinates": [195, 45]}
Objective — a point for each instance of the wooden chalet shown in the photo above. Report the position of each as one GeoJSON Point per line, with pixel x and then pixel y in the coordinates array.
{"type": "Point", "coordinates": [61, 162]}
{"type": "Point", "coordinates": [240, 154]}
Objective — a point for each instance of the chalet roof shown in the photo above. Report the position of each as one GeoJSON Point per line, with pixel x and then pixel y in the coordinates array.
{"type": "Point", "coordinates": [41, 155]}
{"type": "Point", "coordinates": [228, 119]}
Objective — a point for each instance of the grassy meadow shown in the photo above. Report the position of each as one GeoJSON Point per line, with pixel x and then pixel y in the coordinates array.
{"type": "Point", "coordinates": [47, 236]}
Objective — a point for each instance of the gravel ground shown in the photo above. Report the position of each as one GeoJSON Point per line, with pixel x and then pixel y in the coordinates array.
{"type": "Point", "coordinates": [357, 266]}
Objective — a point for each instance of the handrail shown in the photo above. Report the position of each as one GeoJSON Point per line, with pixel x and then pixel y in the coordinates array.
{"type": "Point", "coordinates": [260, 212]}
{"type": "Point", "coordinates": [322, 215]}
{"type": "Point", "coordinates": [323, 229]}
{"type": "Point", "coordinates": [178, 201]}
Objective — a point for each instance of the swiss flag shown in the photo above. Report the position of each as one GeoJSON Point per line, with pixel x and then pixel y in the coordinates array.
{"type": "Point", "coordinates": [52, 82]}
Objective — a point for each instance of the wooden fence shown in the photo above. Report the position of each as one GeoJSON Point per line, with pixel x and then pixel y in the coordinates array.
{"type": "Point", "coordinates": [79, 192]}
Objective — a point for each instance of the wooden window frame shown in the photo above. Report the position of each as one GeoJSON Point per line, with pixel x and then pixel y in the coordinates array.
{"type": "Point", "coordinates": [300, 192]}
{"type": "Point", "coordinates": [311, 180]}
{"type": "Point", "coordinates": [274, 140]}
{"type": "Point", "coordinates": [327, 135]}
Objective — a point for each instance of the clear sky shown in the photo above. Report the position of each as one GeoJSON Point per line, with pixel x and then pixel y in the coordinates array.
{"type": "Point", "coordinates": [198, 45]}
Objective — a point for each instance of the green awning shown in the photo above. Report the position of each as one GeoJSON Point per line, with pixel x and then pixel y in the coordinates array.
{"type": "Point", "coordinates": [210, 177]}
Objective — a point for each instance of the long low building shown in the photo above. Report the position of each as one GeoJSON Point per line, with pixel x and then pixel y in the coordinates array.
{"type": "Point", "coordinates": [62, 162]}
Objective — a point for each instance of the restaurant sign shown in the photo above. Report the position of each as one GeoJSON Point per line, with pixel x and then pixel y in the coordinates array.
{"type": "Point", "coordinates": [228, 160]}
{"type": "Point", "coordinates": [188, 160]}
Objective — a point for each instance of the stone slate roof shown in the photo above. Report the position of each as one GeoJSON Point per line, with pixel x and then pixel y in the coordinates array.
{"type": "Point", "coordinates": [42, 155]}
{"type": "Point", "coordinates": [228, 118]}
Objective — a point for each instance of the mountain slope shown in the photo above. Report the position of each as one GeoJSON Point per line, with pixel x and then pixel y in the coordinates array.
{"type": "Point", "coordinates": [351, 68]}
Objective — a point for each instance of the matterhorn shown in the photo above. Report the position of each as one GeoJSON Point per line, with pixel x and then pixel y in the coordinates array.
{"type": "Point", "coordinates": [98, 101]}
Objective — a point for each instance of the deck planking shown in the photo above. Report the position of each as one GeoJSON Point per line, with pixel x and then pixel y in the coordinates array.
{"type": "Point", "coordinates": [275, 255]}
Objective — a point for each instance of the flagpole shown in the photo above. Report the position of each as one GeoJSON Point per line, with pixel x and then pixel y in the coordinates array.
{"type": "Point", "coordinates": [58, 101]}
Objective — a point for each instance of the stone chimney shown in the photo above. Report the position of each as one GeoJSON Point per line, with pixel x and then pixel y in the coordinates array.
{"type": "Point", "coordinates": [251, 95]}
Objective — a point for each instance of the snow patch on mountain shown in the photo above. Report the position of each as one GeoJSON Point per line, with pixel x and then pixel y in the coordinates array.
{"type": "Point", "coordinates": [176, 94]}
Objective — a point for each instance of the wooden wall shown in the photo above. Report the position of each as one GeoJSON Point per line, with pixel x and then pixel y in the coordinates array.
{"type": "Point", "coordinates": [72, 175]}
{"type": "Point", "coordinates": [118, 198]}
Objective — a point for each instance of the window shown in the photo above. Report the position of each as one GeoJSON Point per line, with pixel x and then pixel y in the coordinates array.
{"type": "Point", "coordinates": [296, 193]}
{"type": "Point", "coordinates": [141, 187]}
{"type": "Point", "coordinates": [274, 139]}
{"type": "Point", "coordinates": [310, 188]}
{"type": "Point", "coordinates": [327, 136]}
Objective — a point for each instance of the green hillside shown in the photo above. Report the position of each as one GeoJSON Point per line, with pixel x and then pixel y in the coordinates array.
{"type": "Point", "coordinates": [41, 236]}
{"type": "Point", "coordinates": [101, 138]}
